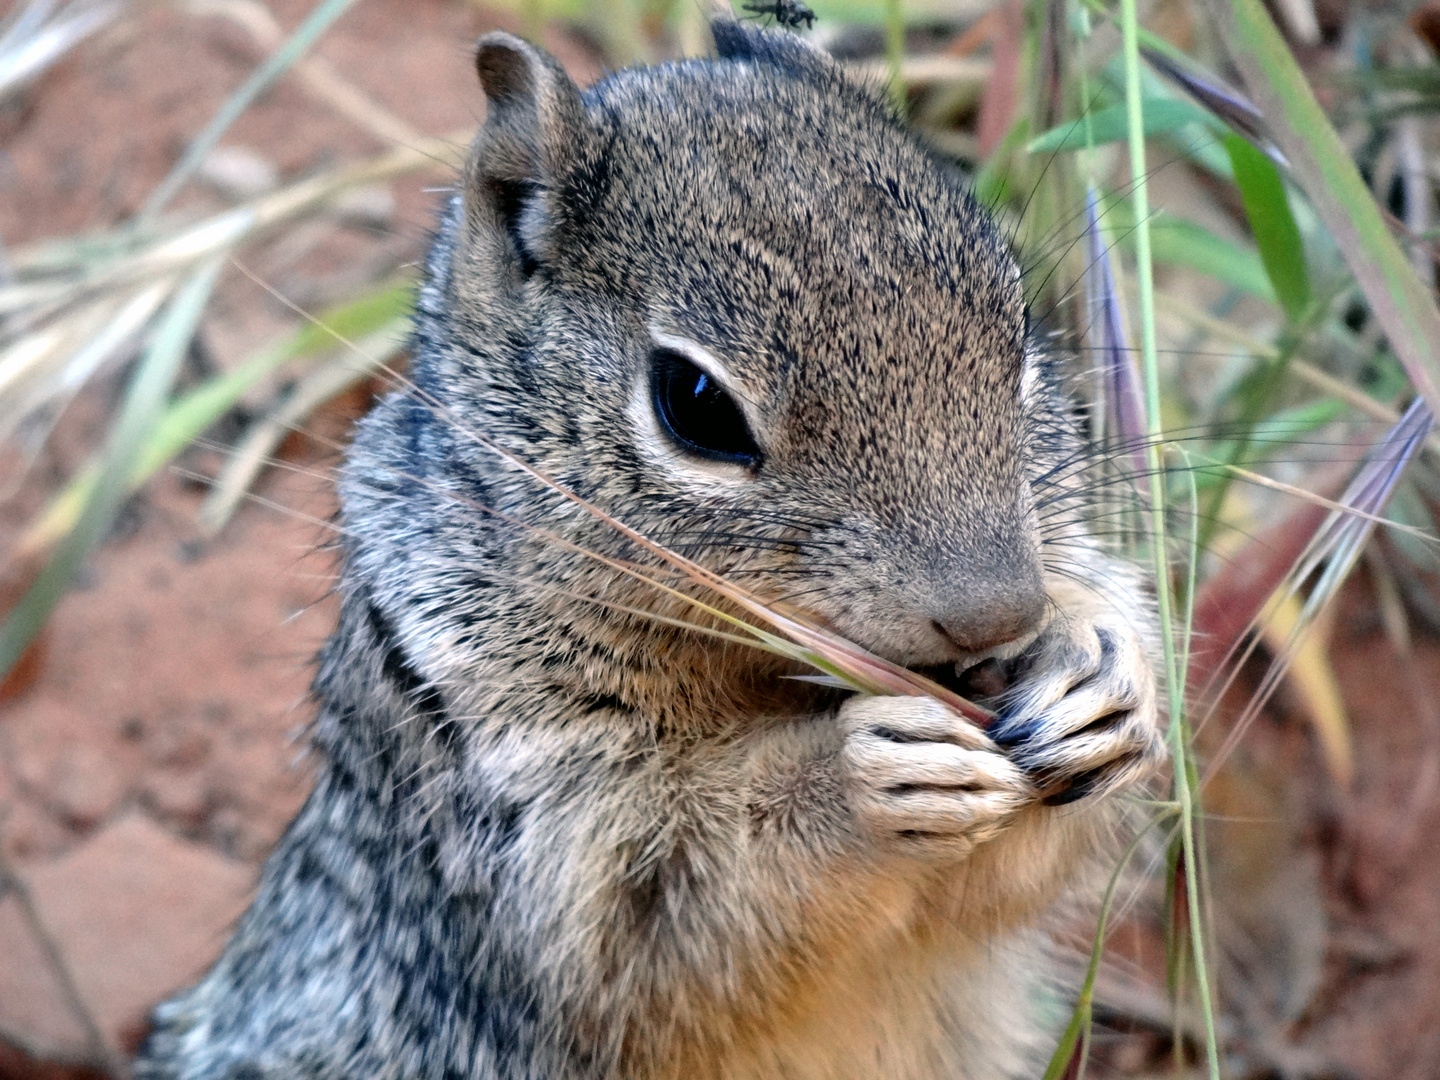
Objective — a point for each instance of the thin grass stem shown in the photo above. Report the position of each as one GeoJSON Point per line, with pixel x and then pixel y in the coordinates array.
{"type": "Point", "coordinates": [280, 61]}
{"type": "Point", "coordinates": [144, 403]}
{"type": "Point", "coordinates": [1186, 791]}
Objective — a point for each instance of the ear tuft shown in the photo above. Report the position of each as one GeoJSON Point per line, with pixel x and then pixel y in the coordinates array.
{"type": "Point", "coordinates": [789, 52]}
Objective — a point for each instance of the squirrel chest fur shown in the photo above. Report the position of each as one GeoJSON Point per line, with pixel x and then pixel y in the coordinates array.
{"type": "Point", "coordinates": [556, 832]}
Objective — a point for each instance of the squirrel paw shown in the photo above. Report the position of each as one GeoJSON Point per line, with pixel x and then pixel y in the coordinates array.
{"type": "Point", "coordinates": [924, 780]}
{"type": "Point", "coordinates": [1082, 719]}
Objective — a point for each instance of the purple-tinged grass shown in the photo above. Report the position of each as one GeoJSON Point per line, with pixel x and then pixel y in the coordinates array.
{"type": "Point", "coordinates": [1331, 554]}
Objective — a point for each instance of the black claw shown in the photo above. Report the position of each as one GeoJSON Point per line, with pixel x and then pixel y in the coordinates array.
{"type": "Point", "coordinates": [1010, 734]}
{"type": "Point", "coordinates": [1083, 785]}
{"type": "Point", "coordinates": [892, 735]}
{"type": "Point", "coordinates": [1100, 723]}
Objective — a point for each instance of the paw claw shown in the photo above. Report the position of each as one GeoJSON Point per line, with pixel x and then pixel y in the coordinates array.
{"type": "Point", "coordinates": [1083, 722]}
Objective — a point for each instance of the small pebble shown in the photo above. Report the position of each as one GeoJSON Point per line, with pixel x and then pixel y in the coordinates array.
{"type": "Point", "coordinates": [371, 207]}
{"type": "Point", "coordinates": [237, 172]}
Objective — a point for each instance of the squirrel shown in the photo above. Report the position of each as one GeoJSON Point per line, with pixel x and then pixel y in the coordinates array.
{"type": "Point", "coordinates": [558, 833]}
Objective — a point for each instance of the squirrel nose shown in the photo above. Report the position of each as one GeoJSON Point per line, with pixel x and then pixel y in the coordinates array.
{"type": "Point", "coordinates": [985, 619]}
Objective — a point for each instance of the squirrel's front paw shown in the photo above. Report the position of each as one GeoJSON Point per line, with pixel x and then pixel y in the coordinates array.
{"type": "Point", "coordinates": [925, 781]}
{"type": "Point", "coordinates": [1082, 718]}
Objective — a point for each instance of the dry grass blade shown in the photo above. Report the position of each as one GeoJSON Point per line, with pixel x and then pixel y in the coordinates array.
{"type": "Point", "coordinates": [750, 635]}
{"type": "Point", "coordinates": [43, 367]}
{"type": "Point", "coordinates": [1314, 682]}
{"type": "Point", "coordinates": [58, 296]}
{"type": "Point", "coordinates": [1333, 552]}
{"type": "Point", "coordinates": [316, 388]}
{"type": "Point", "coordinates": [90, 271]}
{"type": "Point", "coordinates": [830, 653]}
{"type": "Point", "coordinates": [1338, 506]}
{"type": "Point", "coordinates": [144, 403]}
{"type": "Point", "coordinates": [382, 314]}
{"type": "Point", "coordinates": [36, 39]}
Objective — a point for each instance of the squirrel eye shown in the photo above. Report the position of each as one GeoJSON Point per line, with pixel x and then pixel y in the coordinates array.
{"type": "Point", "coordinates": [694, 411]}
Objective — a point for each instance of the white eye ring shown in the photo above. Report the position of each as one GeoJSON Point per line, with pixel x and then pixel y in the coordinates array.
{"type": "Point", "coordinates": [658, 444]}
{"type": "Point", "coordinates": [705, 360]}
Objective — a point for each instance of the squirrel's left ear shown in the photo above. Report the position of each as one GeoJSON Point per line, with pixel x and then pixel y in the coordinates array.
{"type": "Point", "coordinates": [534, 128]}
{"type": "Point", "coordinates": [735, 40]}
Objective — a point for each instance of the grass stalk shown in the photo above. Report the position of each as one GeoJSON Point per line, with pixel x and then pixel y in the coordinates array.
{"type": "Point", "coordinates": [1186, 782]}
{"type": "Point", "coordinates": [144, 404]}
{"type": "Point", "coordinates": [384, 312]}
{"type": "Point", "coordinates": [261, 79]}
{"type": "Point", "coordinates": [797, 636]}
{"type": "Point", "coordinates": [831, 654]}
{"type": "Point", "coordinates": [323, 384]}
{"type": "Point", "coordinates": [1081, 1020]}
{"type": "Point", "coordinates": [895, 53]}
{"type": "Point", "coordinates": [1324, 168]}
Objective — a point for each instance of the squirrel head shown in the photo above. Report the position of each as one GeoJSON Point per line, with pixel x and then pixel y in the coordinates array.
{"type": "Point", "coordinates": [734, 303]}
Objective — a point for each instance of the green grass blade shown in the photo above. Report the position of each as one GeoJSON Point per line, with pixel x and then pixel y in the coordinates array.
{"type": "Point", "coordinates": [1186, 784]}
{"type": "Point", "coordinates": [1181, 242]}
{"type": "Point", "coordinates": [143, 405]}
{"type": "Point", "coordinates": [1191, 577]}
{"type": "Point", "coordinates": [995, 183]}
{"type": "Point", "coordinates": [1276, 234]}
{"type": "Point", "coordinates": [1084, 1006]}
{"type": "Point", "coordinates": [1322, 166]}
{"type": "Point", "coordinates": [1060, 1060]}
{"type": "Point", "coordinates": [260, 80]}
{"type": "Point", "coordinates": [895, 52]}
{"type": "Point", "coordinates": [352, 320]}
{"type": "Point", "coordinates": [187, 418]}
{"type": "Point", "coordinates": [1162, 115]}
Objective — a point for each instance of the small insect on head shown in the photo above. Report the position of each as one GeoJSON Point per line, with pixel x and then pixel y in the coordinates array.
{"type": "Point", "coordinates": [788, 13]}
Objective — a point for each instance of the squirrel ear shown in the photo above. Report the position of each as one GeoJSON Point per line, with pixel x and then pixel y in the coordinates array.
{"type": "Point", "coordinates": [533, 129]}
{"type": "Point", "coordinates": [735, 40]}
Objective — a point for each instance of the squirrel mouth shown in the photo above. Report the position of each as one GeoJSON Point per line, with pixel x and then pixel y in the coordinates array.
{"type": "Point", "coordinates": [981, 683]}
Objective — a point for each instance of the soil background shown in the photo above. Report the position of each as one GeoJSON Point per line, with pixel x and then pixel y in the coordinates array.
{"type": "Point", "coordinates": [151, 745]}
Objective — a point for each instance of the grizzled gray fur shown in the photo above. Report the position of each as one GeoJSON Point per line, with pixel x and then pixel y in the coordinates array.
{"type": "Point", "coordinates": [556, 834]}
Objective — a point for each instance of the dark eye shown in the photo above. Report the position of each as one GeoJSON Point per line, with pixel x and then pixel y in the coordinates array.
{"type": "Point", "coordinates": [697, 413]}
